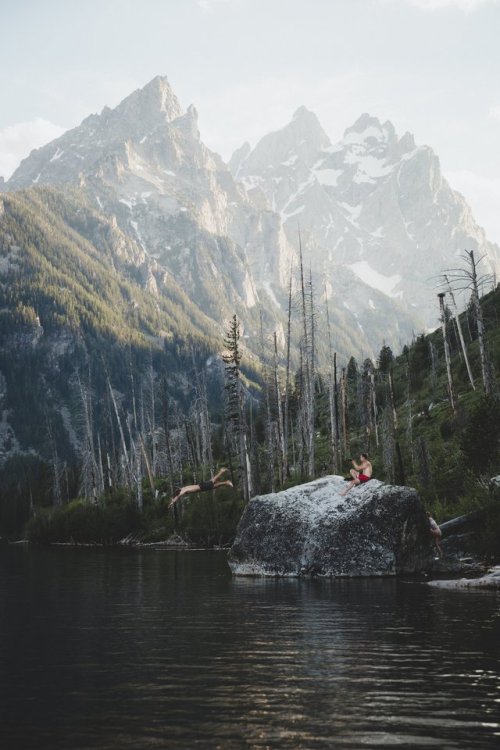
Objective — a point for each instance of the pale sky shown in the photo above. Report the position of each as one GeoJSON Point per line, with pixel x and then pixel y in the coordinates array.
{"type": "Point", "coordinates": [430, 66]}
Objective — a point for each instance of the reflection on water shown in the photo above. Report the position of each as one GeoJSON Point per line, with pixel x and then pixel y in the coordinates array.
{"type": "Point", "coordinates": [155, 649]}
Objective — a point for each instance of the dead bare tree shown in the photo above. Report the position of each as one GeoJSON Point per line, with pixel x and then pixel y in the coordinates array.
{"type": "Point", "coordinates": [279, 421]}
{"type": "Point", "coordinates": [466, 279]}
{"type": "Point", "coordinates": [459, 330]}
{"type": "Point", "coordinates": [89, 488]}
{"type": "Point", "coordinates": [202, 416]}
{"type": "Point", "coordinates": [332, 388]}
{"type": "Point", "coordinates": [308, 366]}
{"type": "Point", "coordinates": [451, 390]}
{"type": "Point", "coordinates": [268, 423]}
{"type": "Point", "coordinates": [286, 415]}
{"type": "Point", "coordinates": [345, 412]}
{"type": "Point", "coordinates": [125, 458]}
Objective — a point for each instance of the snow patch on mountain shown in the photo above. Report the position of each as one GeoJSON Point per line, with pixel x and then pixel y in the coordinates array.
{"type": "Point", "coordinates": [374, 279]}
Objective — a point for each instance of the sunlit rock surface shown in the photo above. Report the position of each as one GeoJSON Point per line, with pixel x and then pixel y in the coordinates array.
{"type": "Point", "coordinates": [375, 530]}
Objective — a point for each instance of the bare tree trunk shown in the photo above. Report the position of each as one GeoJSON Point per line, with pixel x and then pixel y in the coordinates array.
{"type": "Point", "coordinates": [122, 436]}
{"type": "Point", "coordinates": [460, 332]}
{"type": "Point", "coordinates": [332, 376]}
{"type": "Point", "coordinates": [101, 467]}
{"type": "Point", "coordinates": [287, 383]}
{"type": "Point", "coordinates": [138, 475]}
{"type": "Point", "coordinates": [168, 447]}
{"type": "Point", "coordinates": [345, 416]}
{"type": "Point", "coordinates": [374, 405]}
{"type": "Point", "coordinates": [269, 429]}
{"type": "Point", "coordinates": [89, 466]}
{"type": "Point", "coordinates": [409, 427]}
{"type": "Point", "coordinates": [147, 464]}
{"type": "Point", "coordinates": [451, 390]}
{"type": "Point", "coordinates": [280, 414]}
{"type": "Point", "coordinates": [432, 351]}
{"type": "Point", "coordinates": [312, 381]}
{"type": "Point", "coordinates": [336, 406]}
{"type": "Point", "coordinates": [478, 314]}
{"type": "Point", "coordinates": [309, 434]}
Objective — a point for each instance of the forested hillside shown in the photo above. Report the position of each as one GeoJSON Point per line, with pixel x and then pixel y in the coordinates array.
{"type": "Point", "coordinates": [83, 338]}
{"type": "Point", "coordinates": [114, 392]}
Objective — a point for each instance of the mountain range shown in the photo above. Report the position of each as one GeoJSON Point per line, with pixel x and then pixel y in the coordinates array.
{"type": "Point", "coordinates": [378, 221]}
{"type": "Point", "coordinates": [373, 204]}
{"type": "Point", "coordinates": [142, 234]}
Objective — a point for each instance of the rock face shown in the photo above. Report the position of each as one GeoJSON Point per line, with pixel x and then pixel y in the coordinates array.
{"type": "Point", "coordinates": [375, 530]}
{"type": "Point", "coordinates": [145, 165]}
{"type": "Point", "coordinates": [374, 204]}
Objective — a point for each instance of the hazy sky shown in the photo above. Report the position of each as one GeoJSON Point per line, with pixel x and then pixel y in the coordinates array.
{"type": "Point", "coordinates": [430, 66]}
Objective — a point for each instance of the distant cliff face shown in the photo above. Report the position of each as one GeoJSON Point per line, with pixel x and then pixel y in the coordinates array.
{"type": "Point", "coordinates": [375, 530]}
{"type": "Point", "coordinates": [374, 204]}
{"type": "Point", "coordinates": [144, 166]}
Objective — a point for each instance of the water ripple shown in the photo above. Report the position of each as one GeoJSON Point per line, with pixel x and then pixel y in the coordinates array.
{"type": "Point", "coordinates": [124, 649]}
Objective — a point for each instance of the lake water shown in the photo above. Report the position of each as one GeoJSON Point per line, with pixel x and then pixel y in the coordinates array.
{"type": "Point", "coordinates": [159, 649]}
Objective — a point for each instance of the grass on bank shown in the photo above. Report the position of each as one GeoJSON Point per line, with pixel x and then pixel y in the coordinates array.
{"type": "Point", "coordinates": [208, 519]}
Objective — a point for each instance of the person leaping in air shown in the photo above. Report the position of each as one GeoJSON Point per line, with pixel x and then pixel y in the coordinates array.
{"type": "Point", "coordinates": [362, 472]}
{"type": "Point", "coordinates": [213, 484]}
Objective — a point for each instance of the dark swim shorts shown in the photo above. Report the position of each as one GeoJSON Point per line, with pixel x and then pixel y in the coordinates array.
{"type": "Point", "coordinates": [206, 486]}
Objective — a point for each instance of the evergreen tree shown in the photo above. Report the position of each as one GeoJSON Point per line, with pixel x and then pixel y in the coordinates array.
{"type": "Point", "coordinates": [385, 359]}
{"type": "Point", "coordinates": [480, 441]}
{"type": "Point", "coordinates": [235, 412]}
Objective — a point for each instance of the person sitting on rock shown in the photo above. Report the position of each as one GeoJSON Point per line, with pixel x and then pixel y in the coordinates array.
{"type": "Point", "coordinates": [362, 472]}
{"type": "Point", "coordinates": [436, 534]}
{"type": "Point", "coordinates": [213, 484]}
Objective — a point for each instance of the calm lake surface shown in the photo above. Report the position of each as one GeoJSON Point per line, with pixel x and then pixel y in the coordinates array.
{"type": "Point", "coordinates": [158, 649]}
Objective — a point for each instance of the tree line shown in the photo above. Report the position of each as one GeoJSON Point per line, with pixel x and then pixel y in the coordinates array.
{"type": "Point", "coordinates": [282, 423]}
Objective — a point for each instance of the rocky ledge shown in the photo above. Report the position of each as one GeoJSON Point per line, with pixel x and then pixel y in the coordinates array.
{"type": "Point", "coordinates": [489, 581]}
{"type": "Point", "coordinates": [375, 530]}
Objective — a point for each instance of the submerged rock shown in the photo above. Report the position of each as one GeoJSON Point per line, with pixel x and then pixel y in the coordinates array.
{"type": "Point", "coordinates": [375, 530]}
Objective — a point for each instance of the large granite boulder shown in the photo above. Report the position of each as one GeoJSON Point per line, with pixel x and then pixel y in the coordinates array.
{"type": "Point", "coordinates": [375, 530]}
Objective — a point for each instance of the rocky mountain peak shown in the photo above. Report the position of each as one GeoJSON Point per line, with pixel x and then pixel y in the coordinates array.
{"type": "Point", "coordinates": [102, 138]}
{"type": "Point", "coordinates": [305, 116]}
{"type": "Point", "coordinates": [369, 130]}
{"type": "Point", "coordinates": [298, 142]}
{"type": "Point", "coordinates": [306, 128]}
{"type": "Point", "coordinates": [152, 99]}
{"type": "Point", "coordinates": [368, 136]}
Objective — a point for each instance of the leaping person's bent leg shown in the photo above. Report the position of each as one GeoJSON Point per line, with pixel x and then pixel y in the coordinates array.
{"type": "Point", "coordinates": [219, 474]}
